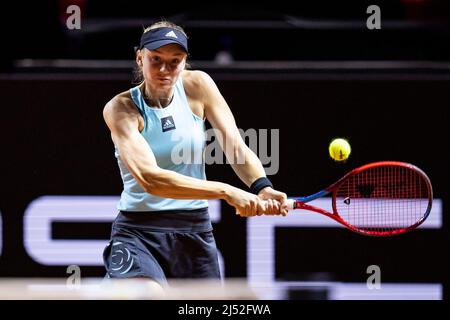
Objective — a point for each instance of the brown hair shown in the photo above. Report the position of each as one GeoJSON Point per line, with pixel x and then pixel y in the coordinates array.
{"type": "Point", "coordinates": [138, 76]}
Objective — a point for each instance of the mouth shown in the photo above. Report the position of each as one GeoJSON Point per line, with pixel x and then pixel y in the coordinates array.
{"type": "Point", "coordinates": [165, 80]}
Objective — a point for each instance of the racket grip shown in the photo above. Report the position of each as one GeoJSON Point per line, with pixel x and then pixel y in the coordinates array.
{"type": "Point", "coordinates": [290, 204]}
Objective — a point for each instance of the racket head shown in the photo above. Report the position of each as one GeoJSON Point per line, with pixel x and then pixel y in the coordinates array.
{"type": "Point", "coordinates": [382, 198]}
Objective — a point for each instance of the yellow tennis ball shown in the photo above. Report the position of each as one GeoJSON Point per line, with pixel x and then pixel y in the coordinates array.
{"type": "Point", "coordinates": [339, 149]}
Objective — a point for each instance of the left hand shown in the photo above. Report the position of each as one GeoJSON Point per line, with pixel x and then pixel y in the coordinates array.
{"type": "Point", "coordinates": [277, 207]}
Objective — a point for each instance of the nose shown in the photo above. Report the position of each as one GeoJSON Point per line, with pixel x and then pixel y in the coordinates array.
{"type": "Point", "coordinates": [163, 67]}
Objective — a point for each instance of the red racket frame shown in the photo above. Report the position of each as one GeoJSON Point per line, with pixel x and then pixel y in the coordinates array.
{"type": "Point", "coordinates": [301, 203]}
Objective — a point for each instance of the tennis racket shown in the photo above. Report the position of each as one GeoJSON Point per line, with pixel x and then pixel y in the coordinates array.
{"type": "Point", "coordinates": [378, 199]}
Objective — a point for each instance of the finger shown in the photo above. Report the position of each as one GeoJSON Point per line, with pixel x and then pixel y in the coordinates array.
{"type": "Point", "coordinates": [282, 197]}
{"type": "Point", "coordinates": [262, 207]}
{"type": "Point", "coordinates": [273, 208]}
{"type": "Point", "coordinates": [277, 205]}
{"type": "Point", "coordinates": [284, 210]}
{"type": "Point", "coordinates": [267, 208]}
{"type": "Point", "coordinates": [245, 210]}
{"type": "Point", "coordinates": [253, 208]}
{"type": "Point", "coordinates": [259, 210]}
{"type": "Point", "coordinates": [277, 208]}
{"type": "Point", "coordinates": [270, 207]}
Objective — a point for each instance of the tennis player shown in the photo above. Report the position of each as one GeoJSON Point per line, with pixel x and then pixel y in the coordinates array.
{"type": "Point", "coordinates": [163, 229]}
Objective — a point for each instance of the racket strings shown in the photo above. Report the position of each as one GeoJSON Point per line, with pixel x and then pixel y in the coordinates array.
{"type": "Point", "coordinates": [383, 200]}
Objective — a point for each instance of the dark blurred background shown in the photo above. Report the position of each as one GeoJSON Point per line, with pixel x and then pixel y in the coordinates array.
{"type": "Point", "coordinates": [310, 69]}
{"type": "Point", "coordinates": [281, 30]}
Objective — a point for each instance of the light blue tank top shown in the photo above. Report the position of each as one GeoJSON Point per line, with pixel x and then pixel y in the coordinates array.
{"type": "Point", "coordinates": [177, 138]}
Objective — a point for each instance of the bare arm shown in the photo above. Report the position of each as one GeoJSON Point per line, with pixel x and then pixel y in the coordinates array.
{"type": "Point", "coordinates": [243, 160]}
{"type": "Point", "coordinates": [123, 121]}
{"type": "Point", "coordinates": [139, 158]}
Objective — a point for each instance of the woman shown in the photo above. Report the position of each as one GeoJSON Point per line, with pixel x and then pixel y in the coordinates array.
{"type": "Point", "coordinates": [163, 229]}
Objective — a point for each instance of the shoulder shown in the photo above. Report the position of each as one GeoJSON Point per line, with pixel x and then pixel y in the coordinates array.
{"type": "Point", "coordinates": [197, 83]}
{"type": "Point", "coordinates": [120, 107]}
{"type": "Point", "coordinates": [195, 77]}
{"type": "Point", "coordinates": [197, 80]}
{"type": "Point", "coordinates": [120, 102]}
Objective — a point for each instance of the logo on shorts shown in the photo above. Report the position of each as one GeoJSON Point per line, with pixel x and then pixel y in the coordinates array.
{"type": "Point", "coordinates": [167, 124]}
{"type": "Point", "coordinates": [121, 259]}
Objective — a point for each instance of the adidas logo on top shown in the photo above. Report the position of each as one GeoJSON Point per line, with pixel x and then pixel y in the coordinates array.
{"type": "Point", "coordinates": [171, 34]}
{"type": "Point", "coordinates": [167, 124]}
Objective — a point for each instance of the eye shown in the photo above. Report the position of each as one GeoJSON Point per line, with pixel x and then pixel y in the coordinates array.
{"type": "Point", "coordinates": [176, 61]}
{"type": "Point", "coordinates": [155, 59]}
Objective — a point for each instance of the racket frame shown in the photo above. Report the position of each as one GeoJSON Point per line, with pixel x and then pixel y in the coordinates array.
{"type": "Point", "coordinates": [301, 203]}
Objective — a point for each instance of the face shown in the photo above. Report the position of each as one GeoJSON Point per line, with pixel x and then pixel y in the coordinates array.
{"type": "Point", "coordinates": [162, 66]}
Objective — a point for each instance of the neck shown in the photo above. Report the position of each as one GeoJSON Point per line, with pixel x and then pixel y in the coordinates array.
{"type": "Point", "coordinates": [157, 98]}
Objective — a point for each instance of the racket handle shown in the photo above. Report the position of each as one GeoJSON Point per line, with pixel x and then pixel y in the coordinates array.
{"type": "Point", "coordinates": [290, 204]}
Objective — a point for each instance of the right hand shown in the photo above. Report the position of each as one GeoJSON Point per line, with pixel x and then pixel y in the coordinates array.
{"type": "Point", "coordinates": [246, 203]}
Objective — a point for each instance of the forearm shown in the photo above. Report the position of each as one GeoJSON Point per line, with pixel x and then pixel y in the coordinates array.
{"type": "Point", "coordinates": [250, 169]}
{"type": "Point", "coordinates": [170, 184]}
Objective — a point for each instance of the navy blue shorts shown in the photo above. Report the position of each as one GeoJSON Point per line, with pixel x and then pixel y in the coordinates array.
{"type": "Point", "coordinates": [162, 245]}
